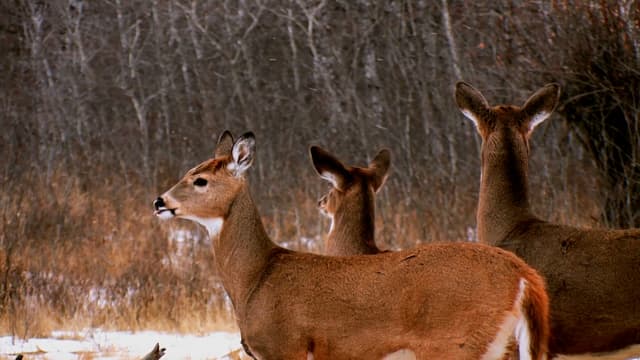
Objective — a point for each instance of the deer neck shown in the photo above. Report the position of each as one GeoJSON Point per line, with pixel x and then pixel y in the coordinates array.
{"type": "Point", "coordinates": [504, 194]}
{"type": "Point", "coordinates": [242, 250]}
{"type": "Point", "coordinates": [353, 229]}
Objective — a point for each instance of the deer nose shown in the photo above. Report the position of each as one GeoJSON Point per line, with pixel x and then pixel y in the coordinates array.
{"type": "Point", "coordinates": [158, 203]}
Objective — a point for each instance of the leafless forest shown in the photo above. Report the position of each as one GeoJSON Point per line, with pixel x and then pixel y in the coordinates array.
{"type": "Point", "coordinates": [105, 103]}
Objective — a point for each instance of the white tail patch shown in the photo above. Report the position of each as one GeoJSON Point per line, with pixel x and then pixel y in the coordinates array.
{"type": "Point", "coordinates": [523, 336]}
{"type": "Point", "coordinates": [498, 346]}
{"type": "Point", "coordinates": [511, 328]}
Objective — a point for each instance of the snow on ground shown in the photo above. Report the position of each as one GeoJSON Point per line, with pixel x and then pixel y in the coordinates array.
{"type": "Point", "coordinates": [96, 344]}
{"type": "Point", "coordinates": [119, 345]}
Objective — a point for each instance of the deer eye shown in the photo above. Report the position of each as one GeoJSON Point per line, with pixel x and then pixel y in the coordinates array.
{"type": "Point", "coordinates": [200, 182]}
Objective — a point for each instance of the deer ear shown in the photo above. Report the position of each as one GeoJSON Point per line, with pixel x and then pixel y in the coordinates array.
{"type": "Point", "coordinates": [541, 105]}
{"type": "Point", "coordinates": [471, 102]}
{"type": "Point", "coordinates": [224, 145]}
{"type": "Point", "coordinates": [329, 168]}
{"type": "Point", "coordinates": [380, 166]}
{"type": "Point", "coordinates": [243, 153]}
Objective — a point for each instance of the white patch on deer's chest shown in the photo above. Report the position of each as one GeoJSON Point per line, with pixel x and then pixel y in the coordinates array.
{"type": "Point", "coordinates": [213, 225]}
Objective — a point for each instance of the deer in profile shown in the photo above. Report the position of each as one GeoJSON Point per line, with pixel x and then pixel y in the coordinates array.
{"type": "Point", "coordinates": [350, 203]}
{"type": "Point", "coordinates": [442, 301]}
{"type": "Point", "coordinates": [592, 276]}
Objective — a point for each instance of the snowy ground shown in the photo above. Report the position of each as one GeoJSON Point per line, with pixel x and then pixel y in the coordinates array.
{"type": "Point", "coordinates": [103, 345]}
{"type": "Point", "coordinates": [96, 344]}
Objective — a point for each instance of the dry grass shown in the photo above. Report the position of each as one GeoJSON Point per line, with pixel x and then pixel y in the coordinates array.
{"type": "Point", "coordinates": [85, 258]}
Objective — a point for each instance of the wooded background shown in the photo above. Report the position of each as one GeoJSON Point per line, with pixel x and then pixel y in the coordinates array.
{"type": "Point", "coordinates": [104, 104]}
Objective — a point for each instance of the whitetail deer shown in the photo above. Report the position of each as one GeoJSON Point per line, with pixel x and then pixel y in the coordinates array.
{"type": "Point", "coordinates": [442, 301]}
{"type": "Point", "coordinates": [593, 276]}
{"type": "Point", "coordinates": [350, 203]}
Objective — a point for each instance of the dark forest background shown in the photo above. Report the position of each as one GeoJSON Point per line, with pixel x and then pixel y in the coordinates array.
{"type": "Point", "coordinates": [104, 104]}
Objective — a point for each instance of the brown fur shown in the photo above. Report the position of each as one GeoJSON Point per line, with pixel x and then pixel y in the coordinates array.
{"type": "Point", "coordinates": [442, 301]}
{"type": "Point", "coordinates": [628, 353]}
{"type": "Point", "coordinates": [593, 276]}
{"type": "Point", "coordinates": [534, 302]}
{"type": "Point", "coordinates": [350, 203]}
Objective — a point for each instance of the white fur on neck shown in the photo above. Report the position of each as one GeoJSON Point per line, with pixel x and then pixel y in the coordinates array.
{"type": "Point", "coordinates": [213, 225]}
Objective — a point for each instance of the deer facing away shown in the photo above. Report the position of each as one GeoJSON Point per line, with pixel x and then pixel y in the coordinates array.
{"type": "Point", "coordinates": [350, 203]}
{"type": "Point", "coordinates": [443, 301]}
{"type": "Point", "coordinates": [593, 276]}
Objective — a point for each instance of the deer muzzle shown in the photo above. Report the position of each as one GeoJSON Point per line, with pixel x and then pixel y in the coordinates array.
{"type": "Point", "coordinates": [161, 209]}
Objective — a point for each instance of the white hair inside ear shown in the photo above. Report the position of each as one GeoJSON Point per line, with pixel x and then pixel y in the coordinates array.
{"type": "Point", "coordinates": [330, 177]}
{"type": "Point", "coordinates": [471, 116]}
{"type": "Point", "coordinates": [538, 119]}
{"type": "Point", "coordinates": [242, 154]}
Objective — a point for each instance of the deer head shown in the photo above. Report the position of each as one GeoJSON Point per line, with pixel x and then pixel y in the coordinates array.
{"type": "Point", "coordinates": [505, 132]}
{"type": "Point", "coordinates": [350, 202]}
{"type": "Point", "coordinates": [205, 193]}
{"type": "Point", "coordinates": [507, 117]}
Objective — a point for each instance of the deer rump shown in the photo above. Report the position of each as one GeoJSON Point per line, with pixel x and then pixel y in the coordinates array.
{"type": "Point", "coordinates": [590, 279]}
